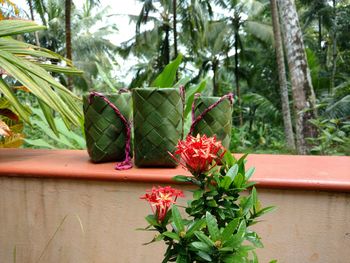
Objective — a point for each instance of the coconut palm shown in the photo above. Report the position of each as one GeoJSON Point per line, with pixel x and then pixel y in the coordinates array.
{"type": "Point", "coordinates": [287, 120]}
{"type": "Point", "coordinates": [29, 66]}
{"type": "Point", "coordinates": [243, 16]}
{"type": "Point", "coordinates": [91, 46]}
{"type": "Point", "coordinates": [303, 95]}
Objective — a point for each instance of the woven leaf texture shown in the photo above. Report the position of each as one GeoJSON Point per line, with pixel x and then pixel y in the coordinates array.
{"type": "Point", "coordinates": [217, 122]}
{"type": "Point", "coordinates": [104, 131]}
{"type": "Point", "coordinates": [157, 126]}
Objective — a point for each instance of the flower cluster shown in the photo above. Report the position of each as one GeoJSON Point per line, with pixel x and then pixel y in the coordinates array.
{"type": "Point", "coordinates": [161, 199]}
{"type": "Point", "coordinates": [198, 153]}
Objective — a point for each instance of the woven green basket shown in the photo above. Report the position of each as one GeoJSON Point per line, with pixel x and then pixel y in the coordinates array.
{"type": "Point", "coordinates": [217, 121]}
{"type": "Point", "coordinates": [157, 126]}
{"type": "Point", "coordinates": [104, 131]}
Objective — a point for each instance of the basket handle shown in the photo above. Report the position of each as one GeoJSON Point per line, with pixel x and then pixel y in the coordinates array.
{"type": "Point", "coordinates": [126, 164]}
{"type": "Point", "coordinates": [195, 120]}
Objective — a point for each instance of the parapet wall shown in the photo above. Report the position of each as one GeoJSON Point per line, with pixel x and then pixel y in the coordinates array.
{"type": "Point", "coordinates": [52, 211]}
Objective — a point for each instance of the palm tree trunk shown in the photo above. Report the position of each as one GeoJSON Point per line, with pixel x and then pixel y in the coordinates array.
{"type": "Point", "coordinates": [319, 31]}
{"type": "Point", "coordinates": [238, 90]}
{"type": "Point", "coordinates": [175, 34]}
{"type": "Point", "coordinates": [30, 3]}
{"type": "Point", "coordinates": [334, 48]}
{"type": "Point", "coordinates": [302, 90]}
{"type": "Point", "coordinates": [288, 129]}
{"type": "Point", "coordinates": [167, 45]}
{"type": "Point", "coordinates": [68, 10]}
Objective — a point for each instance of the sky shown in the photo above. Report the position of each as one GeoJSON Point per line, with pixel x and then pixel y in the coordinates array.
{"type": "Point", "coordinates": [120, 9]}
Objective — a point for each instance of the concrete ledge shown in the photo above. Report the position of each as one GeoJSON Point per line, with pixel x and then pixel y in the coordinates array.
{"type": "Point", "coordinates": [329, 173]}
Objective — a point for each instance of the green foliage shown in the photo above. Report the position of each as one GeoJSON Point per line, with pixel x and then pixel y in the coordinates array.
{"type": "Point", "coordinates": [333, 137]}
{"type": "Point", "coordinates": [29, 65]}
{"type": "Point", "coordinates": [42, 136]}
{"type": "Point", "coordinates": [220, 218]}
{"type": "Point", "coordinates": [260, 137]}
{"type": "Point", "coordinates": [167, 77]}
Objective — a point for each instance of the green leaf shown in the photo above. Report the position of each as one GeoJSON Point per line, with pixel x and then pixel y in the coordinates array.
{"type": "Point", "coordinates": [39, 87]}
{"type": "Point", "coordinates": [182, 82]}
{"type": "Point", "coordinates": [39, 143]}
{"type": "Point", "coordinates": [177, 219]}
{"type": "Point", "coordinates": [181, 259]}
{"type": "Point", "coordinates": [255, 199]}
{"type": "Point", "coordinates": [226, 249]}
{"type": "Point", "coordinates": [15, 27]}
{"type": "Point", "coordinates": [197, 194]}
{"type": "Point", "coordinates": [239, 180]}
{"type": "Point", "coordinates": [249, 173]}
{"type": "Point", "coordinates": [202, 237]}
{"type": "Point", "coordinates": [47, 111]}
{"type": "Point", "coordinates": [254, 239]}
{"type": "Point", "coordinates": [229, 159]}
{"type": "Point", "coordinates": [71, 135]}
{"type": "Point", "coordinates": [212, 203]}
{"type": "Point", "coordinates": [167, 77]}
{"type": "Point", "coordinates": [247, 205]}
{"type": "Point", "coordinates": [201, 246]}
{"type": "Point", "coordinates": [255, 258]}
{"type": "Point", "coordinates": [212, 227]}
{"type": "Point", "coordinates": [232, 172]}
{"type": "Point", "coordinates": [8, 93]}
{"type": "Point", "coordinates": [204, 256]}
{"type": "Point", "coordinates": [152, 220]}
{"type": "Point", "coordinates": [60, 69]}
{"type": "Point", "coordinates": [229, 229]}
{"type": "Point", "coordinates": [195, 227]}
{"type": "Point", "coordinates": [182, 178]}
{"type": "Point", "coordinates": [237, 238]}
{"type": "Point", "coordinates": [62, 139]}
{"type": "Point", "coordinates": [241, 163]}
{"type": "Point", "coordinates": [265, 211]}
{"type": "Point", "coordinates": [171, 235]}
{"type": "Point", "coordinates": [226, 182]}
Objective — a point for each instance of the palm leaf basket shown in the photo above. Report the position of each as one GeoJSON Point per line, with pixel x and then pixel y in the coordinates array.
{"type": "Point", "coordinates": [157, 125]}
{"type": "Point", "coordinates": [105, 132]}
{"type": "Point", "coordinates": [213, 116]}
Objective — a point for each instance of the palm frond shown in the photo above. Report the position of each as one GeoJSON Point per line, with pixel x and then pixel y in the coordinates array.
{"type": "Point", "coordinates": [29, 65]}
{"type": "Point", "coordinates": [260, 30]}
{"type": "Point", "coordinates": [339, 109]}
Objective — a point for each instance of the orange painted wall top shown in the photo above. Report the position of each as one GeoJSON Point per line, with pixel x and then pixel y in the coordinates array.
{"type": "Point", "coordinates": [330, 173]}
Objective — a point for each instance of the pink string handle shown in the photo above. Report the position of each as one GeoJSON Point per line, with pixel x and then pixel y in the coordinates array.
{"type": "Point", "coordinates": [195, 120]}
{"type": "Point", "coordinates": [126, 164]}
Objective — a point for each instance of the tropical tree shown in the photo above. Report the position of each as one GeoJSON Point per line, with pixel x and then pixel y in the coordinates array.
{"type": "Point", "coordinates": [303, 95]}
{"type": "Point", "coordinates": [91, 44]}
{"type": "Point", "coordinates": [287, 120]}
{"type": "Point", "coordinates": [243, 17]}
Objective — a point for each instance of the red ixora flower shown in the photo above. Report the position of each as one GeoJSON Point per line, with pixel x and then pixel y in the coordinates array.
{"type": "Point", "coordinates": [198, 153]}
{"type": "Point", "coordinates": [161, 198]}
